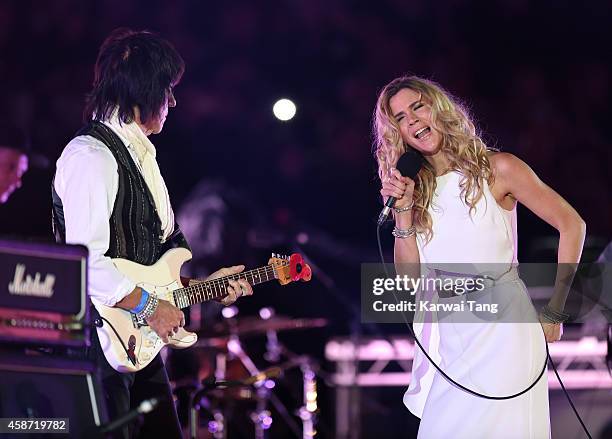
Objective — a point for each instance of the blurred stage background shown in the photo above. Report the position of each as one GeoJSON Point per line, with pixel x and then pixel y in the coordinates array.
{"type": "Point", "coordinates": [536, 77]}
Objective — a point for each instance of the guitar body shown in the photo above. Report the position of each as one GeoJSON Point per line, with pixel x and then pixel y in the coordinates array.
{"type": "Point", "coordinates": [128, 345]}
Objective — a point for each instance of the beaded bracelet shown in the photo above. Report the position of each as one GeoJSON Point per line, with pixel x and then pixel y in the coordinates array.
{"type": "Point", "coordinates": [552, 316]}
{"type": "Point", "coordinates": [149, 308]}
{"type": "Point", "coordinates": [402, 234]}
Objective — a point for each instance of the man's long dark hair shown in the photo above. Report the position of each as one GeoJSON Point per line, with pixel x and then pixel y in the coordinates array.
{"type": "Point", "coordinates": [133, 69]}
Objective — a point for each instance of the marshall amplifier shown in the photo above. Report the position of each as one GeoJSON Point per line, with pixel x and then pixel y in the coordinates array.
{"type": "Point", "coordinates": [43, 293]}
{"type": "Point", "coordinates": [38, 386]}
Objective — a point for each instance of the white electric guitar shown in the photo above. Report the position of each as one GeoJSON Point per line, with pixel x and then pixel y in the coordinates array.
{"type": "Point", "coordinates": [129, 344]}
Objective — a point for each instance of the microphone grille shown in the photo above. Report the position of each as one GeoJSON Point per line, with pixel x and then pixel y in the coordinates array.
{"type": "Point", "coordinates": [147, 405]}
{"type": "Point", "coordinates": [410, 163]}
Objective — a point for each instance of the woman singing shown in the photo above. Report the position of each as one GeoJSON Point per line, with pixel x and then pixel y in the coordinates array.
{"type": "Point", "coordinates": [461, 209]}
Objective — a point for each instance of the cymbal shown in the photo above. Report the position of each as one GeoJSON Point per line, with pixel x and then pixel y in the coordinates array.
{"type": "Point", "coordinates": [234, 394]}
{"type": "Point", "coordinates": [251, 326]}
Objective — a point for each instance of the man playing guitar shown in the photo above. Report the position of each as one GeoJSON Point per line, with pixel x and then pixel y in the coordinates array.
{"type": "Point", "coordinates": [109, 195]}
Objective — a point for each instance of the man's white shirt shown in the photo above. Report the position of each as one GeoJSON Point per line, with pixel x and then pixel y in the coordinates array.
{"type": "Point", "coordinates": [87, 181]}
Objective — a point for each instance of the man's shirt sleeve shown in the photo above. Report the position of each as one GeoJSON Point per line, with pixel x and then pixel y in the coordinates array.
{"type": "Point", "coordinates": [86, 180]}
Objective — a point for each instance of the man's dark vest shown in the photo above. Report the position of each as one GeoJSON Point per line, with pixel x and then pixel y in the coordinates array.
{"type": "Point", "coordinates": [135, 227]}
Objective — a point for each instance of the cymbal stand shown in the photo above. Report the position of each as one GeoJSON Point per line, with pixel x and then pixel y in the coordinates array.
{"type": "Point", "coordinates": [216, 426]}
{"type": "Point", "coordinates": [274, 350]}
{"type": "Point", "coordinates": [273, 347]}
{"type": "Point", "coordinates": [261, 417]}
{"type": "Point", "coordinates": [308, 411]}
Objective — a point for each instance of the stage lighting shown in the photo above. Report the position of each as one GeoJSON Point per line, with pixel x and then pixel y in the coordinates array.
{"type": "Point", "coordinates": [284, 109]}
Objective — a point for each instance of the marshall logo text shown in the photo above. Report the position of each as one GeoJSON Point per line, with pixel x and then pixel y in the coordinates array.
{"type": "Point", "coordinates": [25, 285]}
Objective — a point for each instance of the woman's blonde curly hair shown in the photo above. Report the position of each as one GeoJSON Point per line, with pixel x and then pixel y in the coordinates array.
{"type": "Point", "coordinates": [464, 148]}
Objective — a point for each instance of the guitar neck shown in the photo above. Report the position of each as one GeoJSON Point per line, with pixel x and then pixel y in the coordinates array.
{"type": "Point", "coordinates": [217, 288]}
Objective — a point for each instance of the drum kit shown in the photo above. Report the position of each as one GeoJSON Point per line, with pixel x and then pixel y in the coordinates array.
{"type": "Point", "coordinates": [227, 383]}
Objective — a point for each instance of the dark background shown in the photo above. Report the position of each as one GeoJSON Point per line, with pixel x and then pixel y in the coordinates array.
{"type": "Point", "coordinates": [536, 76]}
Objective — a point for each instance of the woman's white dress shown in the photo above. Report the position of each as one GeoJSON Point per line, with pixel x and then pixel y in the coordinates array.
{"type": "Point", "coordinates": [490, 357]}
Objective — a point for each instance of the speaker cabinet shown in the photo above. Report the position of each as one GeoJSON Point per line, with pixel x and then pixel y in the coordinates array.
{"type": "Point", "coordinates": [48, 387]}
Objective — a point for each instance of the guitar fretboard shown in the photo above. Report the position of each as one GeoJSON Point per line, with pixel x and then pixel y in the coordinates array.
{"type": "Point", "coordinates": [217, 288]}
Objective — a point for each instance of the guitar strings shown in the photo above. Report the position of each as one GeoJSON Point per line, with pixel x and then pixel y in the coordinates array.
{"type": "Point", "coordinates": [183, 296]}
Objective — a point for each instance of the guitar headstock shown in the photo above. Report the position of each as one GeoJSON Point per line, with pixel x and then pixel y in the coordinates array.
{"type": "Point", "coordinates": [290, 268]}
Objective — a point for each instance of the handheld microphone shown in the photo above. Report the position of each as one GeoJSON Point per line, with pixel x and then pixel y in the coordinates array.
{"type": "Point", "coordinates": [409, 165]}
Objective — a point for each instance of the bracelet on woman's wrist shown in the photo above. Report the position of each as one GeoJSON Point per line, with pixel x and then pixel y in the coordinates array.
{"type": "Point", "coordinates": [404, 209]}
{"type": "Point", "coordinates": [404, 233]}
{"type": "Point", "coordinates": [552, 316]}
